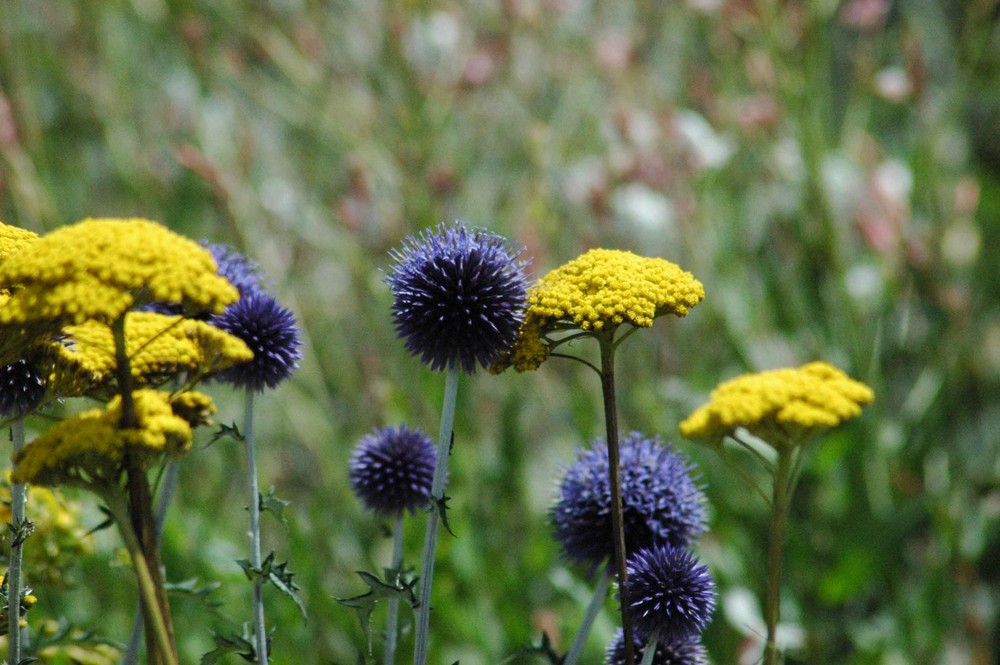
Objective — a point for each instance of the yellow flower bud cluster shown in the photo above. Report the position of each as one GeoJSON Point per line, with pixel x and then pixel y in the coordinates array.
{"type": "Point", "coordinates": [598, 291]}
{"type": "Point", "coordinates": [159, 347]}
{"type": "Point", "coordinates": [99, 268]}
{"type": "Point", "coordinates": [58, 537]}
{"type": "Point", "coordinates": [785, 407]}
{"type": "Point", "coordinates": [91, 446]}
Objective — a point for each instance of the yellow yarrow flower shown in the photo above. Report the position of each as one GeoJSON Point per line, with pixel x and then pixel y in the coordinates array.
{"type": "Point", "coordinates": [12, 239]}
{"type": "Point", "coordinates": [99, 268]}
{"type": "Point", "coordinates": [784, 407]}
{"type": "Point", "coordinates": [598, 291]}
{"type": "Point", "coordinates": [159, 347]}
{"type": "Point", "coordinates": [91, 446]}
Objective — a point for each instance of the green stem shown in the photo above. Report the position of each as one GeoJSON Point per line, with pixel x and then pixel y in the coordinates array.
{"type": "Point", "coordinates": [18, 496]}
{"type": "Point", "coordinates": [650, 651]}
{"type": "Point", "coordinates": [147, 588]}
{"type": "Point", "coordinates": [434, 517]}
{"type": "Point", "coordinates": [392, 625]}
{"type": "Point", "coordinates": [775, 551]}
{"type": "Point", "coordinates": [596, 603]}
{"type": "Point", "coordinates": [167, 490]}
{"type": "Point", "coordinates": [614, 479]}
{"type": "Point", "coordinates": [259, 627]}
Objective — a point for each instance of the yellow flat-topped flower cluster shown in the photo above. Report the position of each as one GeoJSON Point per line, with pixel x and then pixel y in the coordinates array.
{"type": "Point", "coordinates": [785, 407]}
{"type": "Point", "coordinates": [159, 346]}
{"type": "Point", "coordinates": [99, 268]}
{"type": "Point", "coordinates": [598, 291]}
{"type": "Point", "coordinates": [13, 238]}
{"type": "Point", "coordinates": [92, 446]}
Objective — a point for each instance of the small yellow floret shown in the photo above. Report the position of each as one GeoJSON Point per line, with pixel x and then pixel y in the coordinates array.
{"type": "Point", "coordinates": [99, 268]}
{"type": "Point", "coordinates": [91, 446]}
{"type": "Point", "coordinates": [598, 291]}
{"type": "Point", "coordinates": [159, 347]}
{"type": "Point", "coordinates": [12, 239]}
{"type": "Point", "coordinates": [785, 407]}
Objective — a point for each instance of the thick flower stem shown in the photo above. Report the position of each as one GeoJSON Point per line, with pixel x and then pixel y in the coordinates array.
{"type": "Point", "coordinates": [14, 584]}
{"type": "Point", "coordinates": [434, 516]}
{"type": "Point", "coordinates": [259, 626]}
{"type": "Point", "coordinates": [392, 625]}
{"type": "Point", "coordinates": [162, 643]}
{"type": "Point", "coordinates": [614, 479]}
{"type": "Point", "coordinates": [141, 503]}
{"type": "Point", "coordinates": [596, 603]}
{"type": "Point", "coordinates": [775, 550]}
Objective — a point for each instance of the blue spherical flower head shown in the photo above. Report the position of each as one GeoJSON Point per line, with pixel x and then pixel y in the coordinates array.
{"type": "Point", "coordinates": [683, 652]}
{"type": "Point", "coordinates": [392, 470]}
{"type": "Point", "coordinates": [669, 593]}
{"type": "Point", "coordinates": [661, 500]}
{"type": "Point", "coordinates": [242, 272]}
{"type": "Point", "coordinates": [271, 333]}
{"type": "Point", "coordinates": [460, 295]}
{"type": "Point", "coordinates": [22, 388]}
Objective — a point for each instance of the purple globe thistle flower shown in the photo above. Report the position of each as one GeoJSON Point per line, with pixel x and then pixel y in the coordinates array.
{"type": "Point", "coordinates": [242, 272]}
{"type": "Point", "coordinates": [22, 388]}
{"type": "Point", "coordinates": [688, 651]}
{"type": "Point", "coordinates": [460, 295]}
{"type": "Point", "coordinates": [661, 501]}
{"type": "Point", "coordinates": [271, 333]}
{"type": "Point", "coordinates": [392, 470]}
{"type": "Point", "coordinates": [669, 593]}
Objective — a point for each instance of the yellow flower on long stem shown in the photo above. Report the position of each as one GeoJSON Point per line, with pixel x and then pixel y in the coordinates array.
{"type": "Point", "coordinates": [594, 296]}
{"type": "Point", "coordinates": [600, 291]}
{"type": "Point", "coordinates": [785, 408]}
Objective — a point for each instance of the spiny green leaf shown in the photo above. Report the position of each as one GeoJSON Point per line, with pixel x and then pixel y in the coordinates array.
{"type": "Point", "coordinates": [269, 503]}
{"type": "Point", "coordinates": [227, 432]}
{"type": "Point", "coordinates": [231, 644]}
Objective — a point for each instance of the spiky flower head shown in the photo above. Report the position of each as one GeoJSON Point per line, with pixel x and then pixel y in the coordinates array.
{"type": "Point", "coordinates": [459, 296]}
{"type": "Point", "coordinates": [392, 469]}
{"type": "Point", "coordinates": [90, 447]}
{"type": "Point", "coordinates": [683, 652]}
{"type": "Point", "coordinates": [661, 500]}
{"type": "Point", "coordinates": [271, 333]}
{"type": "Point", "coordinates": [599, 291]}
{"type": "Point", "coordinates": [784, 407]}
{"type": "Point", "coordinates": [100, 268]}
{"type": "Point", "coordinates": [669, 593]}
{"type": "Point", "coordinates": [242, 272]}
{"type": "Point", "coordinates": [22, 388]}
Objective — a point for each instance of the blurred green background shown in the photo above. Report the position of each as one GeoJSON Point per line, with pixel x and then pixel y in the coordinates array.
{"type": "Point", "coordinates": [830, 170]}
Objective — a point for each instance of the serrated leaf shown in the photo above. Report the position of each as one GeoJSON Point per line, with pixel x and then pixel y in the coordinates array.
{"type": "Point", "coordinates": [364, 604]}
{"type": "Point", "coordinates": [232, 644]}
{"type": "Point", "coordinates": [227, 432]}
{"type": "Point", "coordinates": [281, 578]}
{"type": "Point", "coordinates": [20, 532]}
{"type": "Point", "coordinates": [269, 503]}
{"type": "Point", "coordinates": [441, 505]}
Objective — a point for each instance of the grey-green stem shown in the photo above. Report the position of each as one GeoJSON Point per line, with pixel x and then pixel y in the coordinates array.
{"type": "Point", "coordinates": [392, 625]}
{"type": "Point", "coordinates": [438, 485]}
{"type": "Point", "coordinates": [593, 609]}
{"type": "Point", "coordinates": [17, 495]}
{"type": "Point", "coordinates": [259, 626]}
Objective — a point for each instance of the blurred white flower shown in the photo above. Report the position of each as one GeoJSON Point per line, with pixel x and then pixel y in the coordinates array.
{"type": "Point", "coordinates": [644, 214]}
{"type": "Point", "coordinates": [893, 83]}
{"type": "Point", "coordinates": [743, 613]}
{"type": "Point", "coordinates": [711, 150]}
